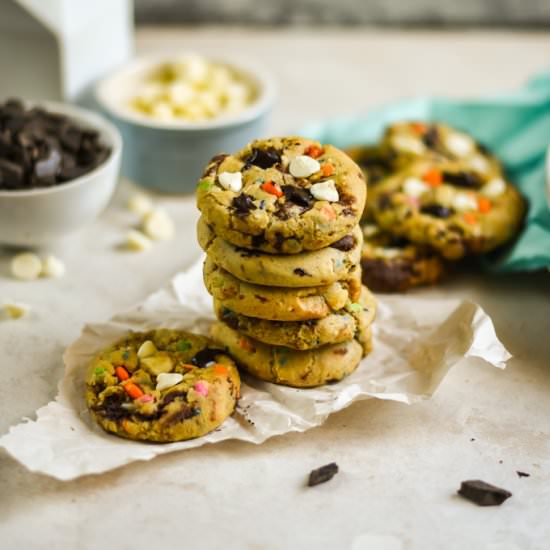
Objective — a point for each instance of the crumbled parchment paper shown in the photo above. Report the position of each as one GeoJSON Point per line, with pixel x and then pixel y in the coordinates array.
{"type": "Point", "coordinates": [416, 342]}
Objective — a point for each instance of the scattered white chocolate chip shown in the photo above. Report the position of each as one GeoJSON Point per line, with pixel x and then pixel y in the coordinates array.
{"type": "Point", "coordinates": [15, 310]}
{"type": "Point", "coordinates": [459, 144]}
{"type": "Point", "coordinates": [137, 241]}
{"type": "Point", "coordinates": [168, 379]}
{"type": "Point", "coordinates": [146, 349]}
{"type": "Point", "coordinates": [232, 181]}
{"type": "Point", "coordinates": [370, 230]}
{"type": "Point", "coordinates": [414, 187]}
{"type": "Point", "coordinates": [494, 188]}
{"type": "Point", "coordinates": [158, 225]}
{"type": "Point", "coordinates": [140, 204]}
{"type": "Point", "coordinates": [303, 166]}
{"type": "Point", "coordinates": [464, 202]}
{"type": "Point", "coordinates": [52, 267]}
{"type": "Point", "coordinates": [408, 144]}
{"type": "Point", "coordinates": [479, 164]}
{"type": "Point", "coordinates": [325, 191]}
{"type": "Point", "coordinates": [26, 266]}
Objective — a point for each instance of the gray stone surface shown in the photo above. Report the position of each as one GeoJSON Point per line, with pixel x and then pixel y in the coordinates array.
{"type": "Point", "coordinates": [347, 12]}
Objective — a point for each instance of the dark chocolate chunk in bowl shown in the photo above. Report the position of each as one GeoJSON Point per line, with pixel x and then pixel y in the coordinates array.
{"type": "Point", "coordinates": [322, 474]}
{"type": "Point", "coordinates": [482, 493]}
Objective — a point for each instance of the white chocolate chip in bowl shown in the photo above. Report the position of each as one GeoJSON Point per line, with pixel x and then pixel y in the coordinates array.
{"type": "Point", "coordinates": [414, 187]}
{"type": "Point", "coordinates": [459, 144]}
{"type": "Point", "coordinates": [325, 191]}
{"type": "Point", "coordinates": [494, 188]}
{"type": "Point", "coordinates": [464, 202]}
{"type": "Point", "coordinates": [166, 380]}
{"type": "Point", "coordinates": [232, 181]}
{"type": "Point", "coordinates": [303, 166]}
{"type": "Point", "coordinates": [408, 144]}
{"type": "Point", "coordinates": [26, 266]}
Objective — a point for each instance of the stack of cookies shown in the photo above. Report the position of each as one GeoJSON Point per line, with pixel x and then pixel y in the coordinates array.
{"type": "Point", "coordinates": [280, 226]}
{"type": "Point", "coordinates": [435, 196]}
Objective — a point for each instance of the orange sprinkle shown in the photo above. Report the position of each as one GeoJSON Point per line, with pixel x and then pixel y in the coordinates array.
{"type": "Point", "coordinates": [419, 127]}
{"type": "Point", "coordinates": [433, 177]}
{"type": "Point", "coordinates": [470, 218]}
{"type": "Point", "coordinates": [220, 369]}
{"type": "Point", "coordinates": [314, 151]}
{"type": "Point", "coordinates": [133, 390]}
{"type": "Point", "coordinates": [272, 188]}
{"type": "Point", "coordinates": [328, 211]}
{"type": "Point", "coordinates": [484, 205]}
{"type": "Point", "coordinates": [126, 425]}
{"type": "Point", "coordinates": [122, 373]}
{"type": "Point", "coordinates": [245, 344]}
{"type": "Point", "coordinates": [327, 169]}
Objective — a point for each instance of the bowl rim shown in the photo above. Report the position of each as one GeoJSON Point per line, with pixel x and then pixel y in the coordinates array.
{"type": "Point", "coordinates": [79, 115]}
{"type": "Point", "coordinates": [264, 101]}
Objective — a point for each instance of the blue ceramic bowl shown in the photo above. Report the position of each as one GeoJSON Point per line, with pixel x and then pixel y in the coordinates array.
{"type": "Point", "coordinates": [171, 156]}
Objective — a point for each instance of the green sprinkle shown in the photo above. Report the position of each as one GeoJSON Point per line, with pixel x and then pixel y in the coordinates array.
{"type": "Point", "coordinates": [205, 185]}
{"type": "Point", "coordinates": [183, 345]}
{"type": "Point", "coordinates": [125, 356]}
{"type": "Point", "coordinates": [355, 307]}
{"type": "Point", "coordinates": [99, 371]}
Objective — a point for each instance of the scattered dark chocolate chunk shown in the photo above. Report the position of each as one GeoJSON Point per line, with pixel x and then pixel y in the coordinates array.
{"type": "Point", "coordinates": [263, 158]}
{"type": "Point", "coordinates": [243, 204]}
{"type": "Point", "coordinates": [483, 494]}
{"type": "Point", "coordinates": [298, 195]}
{"type": "Point", "coordinates": [522, 474]}
{"type": "Point", "coordinates": [302, 272]}
{"type": "Point", "coordinates": [431, 137]}
{"type": "Point", "coordinates": [344, 244]}
{"type": "Point", "coordinates": [462, 179]}
{"type": "Point", "coordinates": [322, 474]}
{"type": "Point", "coordinates": [41, 149]}
{"type": "Point", "coordinates": [436, 210]}
{"type": "Point", "coordinates": [183, 414]}
{"type": "Point", "coordinates": [172, 396]}
{"type": "Point", "coordinates": [112, 407]}
{"type": "Point", "coordinates": [205, 357]}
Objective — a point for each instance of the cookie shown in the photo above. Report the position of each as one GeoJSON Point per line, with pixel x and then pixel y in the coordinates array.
{"type": "Point", "coordinates": [335, 328]}
{"type": "Point", "coordinates": [453, 210]}
{"type": "Point", "coordinates": [162, 385]}
{"type": "Point", "coordinates": [279, 303]}
{"type": "Point", "coordinates": [376, 161]}
{"type": "Point", "coordinates": [394, 264]}
{"type": "Point", "coordinates": [410, 141]}
{"type": "Point", "coordinates": [299, 369]}
{"type": "Point", "coordinates": [282, 195]}
{"type": "Point", "coordinates": [316, 268]}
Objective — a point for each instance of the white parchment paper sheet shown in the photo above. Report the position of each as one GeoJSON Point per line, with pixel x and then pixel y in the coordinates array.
{"type": "Point", "coordinates": [416, 342]}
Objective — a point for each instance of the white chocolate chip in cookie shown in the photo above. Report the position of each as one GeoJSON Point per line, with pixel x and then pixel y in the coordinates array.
{"type": "Point", "coordinates": [303, 166]}
{"type": "Point", "coordinates": [140, 204]}
{"type": "Point", "coordinates": [414, 187]}
{"type": "Point", "coordinates": [408, 144]}
{"type": "Point", "coordinates": [26, 266]}
{"type": "Point", "coordinates": [464, 202]}
{"type": "Point", "coordinates": [137, 241]}
{"type": "Point", "coordinates": [459, 144]}
{"type": "Point", "coordinates": [370, 230]}
{"type": "Point", "coordinates": [158, 225]}
{"type": "Point", "coordinates": [325, 191]}
{"type": "Point", "coordinates": [232, 181]}
{"type": "Point", "coordinates": [479, 164]}
{"type": "Point", "coordinates": [52, 267]}
{"type": "Point", "coordinates": [15, 310]}
{"type": "Point", "coordinates": [168, 379]}
{"type": "Point", "coordinates": [494, 188]}
{"type": "Point", "coordinates": [146, 349]}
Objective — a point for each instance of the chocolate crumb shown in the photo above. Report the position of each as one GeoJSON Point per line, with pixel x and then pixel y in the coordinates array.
{"type": "Point", "coordinates": [483, 494]}
{"type": "Point", "coordinates": [301, 272]}
{"type": "Point", "coordinates": [522, 474]}
{"type": "Point", "coordinates": [322, 474]}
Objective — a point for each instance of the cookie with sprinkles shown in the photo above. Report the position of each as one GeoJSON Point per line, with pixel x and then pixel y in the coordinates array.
{"type": "Point", "coordinates": [162, 386]}
{"type": "Point", "coordinates": [282, 195]}
{"type": "Point", "coordinates": [313, 268]}
{"type": "Point", "coordinates": [290, 367]}
{"type": "Point", "coordinates": [279, 303]}
{"type": "Point", "coordinates": [335, 328]}
{"type": "Point", "coordinates": [447, 207]}
{"type": "Point", "coordinates": [395, 264]}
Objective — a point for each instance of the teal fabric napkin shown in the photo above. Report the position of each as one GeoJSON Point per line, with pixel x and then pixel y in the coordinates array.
{"type": "Point", "coordinates": [515, 126]}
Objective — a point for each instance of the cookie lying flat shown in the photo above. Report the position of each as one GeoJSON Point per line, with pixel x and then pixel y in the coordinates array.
{"type": "Point", "coordinates": [282, 195]}
{"type": "Point", "coordinates": [448, 208]}
{"type": "Point", "coordinates": [335, 328]}
{"type": "Point", "coordinates": [320, 267]}
{"type": "Point", "coordinates": [376, 161]}
{"type": "Point", "coordinates": [162, 385]}
{"type": "Point", "coordinates": [392, 264]}
{"type": "Point", "coordinates": [279, 303]}
{"type": "Point", "coordinates": [299, 369]}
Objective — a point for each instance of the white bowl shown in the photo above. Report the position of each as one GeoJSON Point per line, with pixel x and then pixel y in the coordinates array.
{"type": "Point", "coordinates": [39, 216]}
{"type": "Point", "coordinates": [170, 156]}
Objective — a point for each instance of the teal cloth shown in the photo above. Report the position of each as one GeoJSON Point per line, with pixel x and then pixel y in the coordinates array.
{"type": "Point", "coordinates": [515, 126]}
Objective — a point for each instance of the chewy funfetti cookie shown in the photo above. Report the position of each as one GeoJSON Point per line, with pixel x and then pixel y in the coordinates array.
{"type": "Point", "coordinates": [282, 195]}
{"type": "Point", "coordinates": [162, 386]}
{"type": "Point", "coordinates": [315, 268]}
